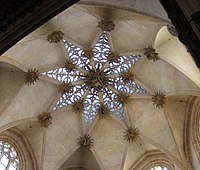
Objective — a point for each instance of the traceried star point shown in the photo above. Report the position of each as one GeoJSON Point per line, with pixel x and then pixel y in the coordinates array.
{"type": "Point", "coordinates": [101, 78]}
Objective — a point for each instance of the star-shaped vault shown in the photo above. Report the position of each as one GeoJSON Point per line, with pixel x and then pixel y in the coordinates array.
{"type": "Point", "coordinates": [96, 80]}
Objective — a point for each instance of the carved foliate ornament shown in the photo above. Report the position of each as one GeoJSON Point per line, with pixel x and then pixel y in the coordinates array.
{"type": "Point", "coordinates": [69, 65]}
{"type": "Point", "coordinates": [85, 140]}
{"type": "Point", "coordinates": [31, 76]}
{"type": "Point", "coordinates": [151, 54]}
{"type": "Point", "coordinates": [113, 57]}
{"type": "Point", "coordinates": [172, 30]}
{"type": "Point", "coordinates": [159, 99]}
{"type": "Point", "coordinates": [131, 134]}
{"type": "Point", "coordinates": [127, 76]}
{"type": "Point", "coordinates": [78, 106]}
{"type": "Point", "coordinates": [106, 25]}
{"type": "Point", "coordinates": [196, 141]}
{"type": "Point", "coordinates": [55, 36]}
{"type": "Point", "coordinates": [65, 88]}
{"type": "Point", "coordinates": [103, 111]}
{"type": "Point", "coordinates": [123, 98]}
{"type": "Point", "coordinates": [45, 119]}
{"type": "Point", "coordinates": [88, 53]}
{"type": "Point", "coordinates": [96, 79]}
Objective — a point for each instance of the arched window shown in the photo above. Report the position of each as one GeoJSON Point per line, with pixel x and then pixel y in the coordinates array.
{"type": "Point", "coordinates": [8, 157]}
{"type": "Point", "coordinates": [159, 168]}
{"type": "Point", "coordinates": [153, 160]}
{"type": "Point", "coordinates": [15, 152]}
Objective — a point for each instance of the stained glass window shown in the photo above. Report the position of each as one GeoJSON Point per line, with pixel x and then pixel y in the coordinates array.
{"type": "Point", "coordinates": [8, 157]}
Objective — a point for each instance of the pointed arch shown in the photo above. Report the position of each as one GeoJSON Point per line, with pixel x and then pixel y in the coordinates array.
{"type": "Point", "coordinates": [151, 159]}
{"type": "Point", "coordinates": [192, 131]}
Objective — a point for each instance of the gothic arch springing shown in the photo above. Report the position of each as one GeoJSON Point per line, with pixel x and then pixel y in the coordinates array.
{"type": "Point", "coordinates": [192, 130]}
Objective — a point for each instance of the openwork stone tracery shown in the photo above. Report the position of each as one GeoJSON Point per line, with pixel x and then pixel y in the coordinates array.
{"type": "Point", "coordinates": [8, 156]}
{"type": "Point", "coordinates": [95, 77]}
{"type": "Point", "coordinates": [16, 148]}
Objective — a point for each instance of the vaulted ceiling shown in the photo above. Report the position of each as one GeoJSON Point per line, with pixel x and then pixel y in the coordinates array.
{"type": "Point", "coordinates": [138, 24]}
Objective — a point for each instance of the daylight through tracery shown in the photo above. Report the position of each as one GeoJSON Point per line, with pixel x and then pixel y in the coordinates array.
{"type": "Point", "coordinates": [159, 168]}
{"type": "Point", "coordinates": [96, 77]}
{"type": "Point", "coordinates": [8, 157]}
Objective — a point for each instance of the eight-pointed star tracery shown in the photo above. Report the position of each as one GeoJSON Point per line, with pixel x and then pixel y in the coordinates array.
{"type": "Point", "coordinates": [96, 77]}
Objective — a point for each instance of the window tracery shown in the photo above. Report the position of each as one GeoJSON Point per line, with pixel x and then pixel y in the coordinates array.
{"type": "Point", "coordinates": [97, 77]}
{"type": "Point", "coordinates": [8, 157]}
{"type": "Point", "coordinates": [15, 152]}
